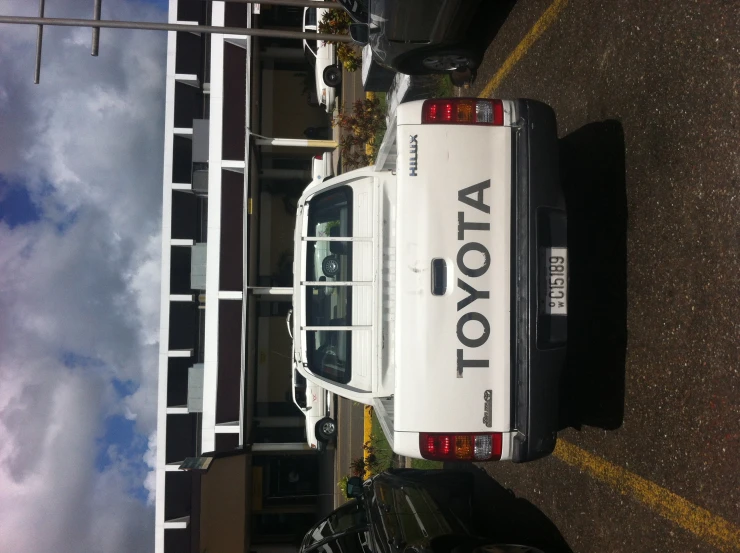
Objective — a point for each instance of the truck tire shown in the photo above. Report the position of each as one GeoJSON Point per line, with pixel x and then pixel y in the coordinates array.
{"type": "Point", "coordinates": [441, 60]}
{"type": "Point", "coordinates": [326, 429]}
{"type": "Point", "coordinates": [330, 266]}
{"type": "Point", "coordinates": [333, 76]}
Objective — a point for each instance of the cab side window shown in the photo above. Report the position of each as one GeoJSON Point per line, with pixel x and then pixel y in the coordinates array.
{"type": "Point", "coordinates": [351, 515]}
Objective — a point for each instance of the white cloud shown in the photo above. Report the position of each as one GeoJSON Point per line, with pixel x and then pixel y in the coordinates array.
{"type": "Point", "coordinates": [79, 289]}
{"type": "Point", "coordinates": [150, 458]}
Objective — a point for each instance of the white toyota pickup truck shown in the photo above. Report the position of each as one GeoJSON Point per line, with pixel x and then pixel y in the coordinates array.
{"type": "Point", "coordinates": [437, 292]}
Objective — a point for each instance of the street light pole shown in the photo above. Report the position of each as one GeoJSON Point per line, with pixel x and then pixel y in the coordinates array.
{"type": "Point", "coordinates": [145, 26]}
{"type": "Point", "coordinates": [96, 24]}
{"type": "Point", "coordinates": [290, 3]}
{"type": "Point", "coordinates": [96, 30]}
{"type": "Point", "coordinates": [39, 41]}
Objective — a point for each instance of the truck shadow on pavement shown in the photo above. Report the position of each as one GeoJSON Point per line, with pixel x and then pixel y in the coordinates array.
{"type": "Point", "coordinates": [593, 175]}
{"type": "Point", "coordinates": [504, 518]}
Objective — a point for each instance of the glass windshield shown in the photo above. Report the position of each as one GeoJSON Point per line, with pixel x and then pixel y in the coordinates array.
{"type": "Point", "coordinates": [309, 18]}
{"type": "Point", "coordinates": [300, 380]}
{"type": "Point", "coordinates": [356, 542]}
{"type": "Point", "coordinates": [300, 397]}
{"type": "Point", "coordinates": [328, 261]}
{"type": "Point", "coordinates": [358, 9]}
{"type": "Point", "coordinates": [329, 216]}
{"type": "Point", "coordinates": [351, 515]}
{"type": "Point", "coordinates": [310, 51]}
{"type": "Point", "coordinates": [329, 354]}
{"type": "Point", "coordinates": [330, 213]}
{"type": "Point", "coordinates": [328, 305]}
{"type": "Point", "coordinates": [299, 389]}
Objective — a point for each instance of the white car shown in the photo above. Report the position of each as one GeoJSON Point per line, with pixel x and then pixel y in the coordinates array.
{"type": "Point", "coordinates": [322, 167]}
{"type": "Point", "coordinates": [315, 403]}
{"type": "Point", "coordinates": [323, 57]}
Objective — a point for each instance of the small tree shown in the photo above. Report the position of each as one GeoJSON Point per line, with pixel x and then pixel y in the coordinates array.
{"type": "Point", "coordinates": [366, 121]}
{"type": "Point", "coordinates": [336, 22]}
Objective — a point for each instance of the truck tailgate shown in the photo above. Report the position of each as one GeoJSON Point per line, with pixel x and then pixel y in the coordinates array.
{"type": "Point", "coordinates": [453, 279]}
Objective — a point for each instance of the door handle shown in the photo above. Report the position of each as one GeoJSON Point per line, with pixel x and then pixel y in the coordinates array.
{"type": "Point", "coordinates": [439, 277]}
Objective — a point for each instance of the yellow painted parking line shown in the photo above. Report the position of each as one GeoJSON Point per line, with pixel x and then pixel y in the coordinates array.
{"type": "Point", "coordinates": [545, 20]}
{"type": "Point", "coordinates": [714, 530]}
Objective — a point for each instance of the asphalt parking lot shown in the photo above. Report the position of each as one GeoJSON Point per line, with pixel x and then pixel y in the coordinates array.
{"type": "Point", "coordinates": [646, 95]}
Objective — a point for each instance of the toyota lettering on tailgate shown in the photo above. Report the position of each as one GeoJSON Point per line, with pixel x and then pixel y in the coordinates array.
{"type": "Point", "coordinates": [472, 196]}
{"type": "Point", "coordinates": [413, 154]}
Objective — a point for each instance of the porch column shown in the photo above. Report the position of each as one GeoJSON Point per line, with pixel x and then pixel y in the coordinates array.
{"type": "Point", "coordinates": [326, 145]}
{"type": "Point", "coordinates": [265, 448]}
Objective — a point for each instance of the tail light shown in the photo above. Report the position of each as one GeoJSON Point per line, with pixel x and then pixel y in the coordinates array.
{"type": "Point", "coordinates": [460, 447]}
{"type": "Point", "coordinates": [319, 157]}
{"type": "Point", "coordinates": [463, 111]}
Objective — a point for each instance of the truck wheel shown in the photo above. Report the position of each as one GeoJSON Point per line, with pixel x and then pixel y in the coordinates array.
{"type": "Point", "coordinates": [333, 76]}
{"type": "Point", "coordinates": [443, 60]}
{"type": "Point", "coordinates": [326, 429]}
{"type": "Point", "coordinates": [330, 265]}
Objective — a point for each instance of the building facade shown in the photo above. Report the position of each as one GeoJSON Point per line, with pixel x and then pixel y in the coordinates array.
{"type": "Point", "coordinates": [227, 232]}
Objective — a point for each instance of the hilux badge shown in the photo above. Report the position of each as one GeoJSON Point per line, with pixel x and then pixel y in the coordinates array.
{"type": "Point", "coordinates": [413, 155]}
{"type": "Point", "coordinates": [487, 396]}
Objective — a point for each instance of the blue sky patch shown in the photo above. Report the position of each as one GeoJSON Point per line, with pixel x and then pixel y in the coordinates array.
{"type": "Point", "coordinates": [74, 360]}
{"type": "Point", "coordinates": [124, 387]}
{"type": "Point", "coordinates": [163, 4]}
{"type": "Point", "coordinates": [16, 206]}
{"type": "Point", "coordinates": [130, 448]}
{"type": "Point", "coordinates": [67, 222]}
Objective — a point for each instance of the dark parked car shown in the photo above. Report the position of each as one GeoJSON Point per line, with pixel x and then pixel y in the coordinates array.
{"type": "Point", "coordinates": [404, 510]}
{"type": "Point", "coordinates": [357, 9]}
{"type": "Point", "coordinates": [418, 37]}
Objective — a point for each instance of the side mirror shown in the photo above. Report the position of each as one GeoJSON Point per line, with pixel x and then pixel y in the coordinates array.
{"type": "Point", "coordinates": [354, 487]}
{"type": "Point", "coordinates": [360, 33]}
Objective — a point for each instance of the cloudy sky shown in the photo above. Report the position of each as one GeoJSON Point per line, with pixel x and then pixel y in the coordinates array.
{"type": "Point", "coordinates": [80, 202]}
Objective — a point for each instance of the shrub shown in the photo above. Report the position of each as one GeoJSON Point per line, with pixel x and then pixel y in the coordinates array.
{"type": "Point", "coordinates": [342, 485]}
{"type": "Point", "coordinates": [362, 126]}
{"type": "Point", "coordinates": [357, 466]}
{"type": "Point", "coordinates": [353, 153]}
{"type": "Point", "coordinates": [336, 22]}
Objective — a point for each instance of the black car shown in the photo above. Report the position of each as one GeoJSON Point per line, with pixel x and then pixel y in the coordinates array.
{"type": "Point", "coordinates": [357, 9]}
{"type": "Point", "coordinates": [419, 37]}
{"type": "Point", "coordinates": [404, 510]}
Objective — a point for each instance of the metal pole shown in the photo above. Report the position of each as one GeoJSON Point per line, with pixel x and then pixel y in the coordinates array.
{"type": "Point", "coordinates": [297, 143]}
{"type": "Point", "coordinates": [290, 3]}
{"type": "Point", "coordinates": [96, 30]}
{"type": "Point", "coordinates": [270, 290]}
{"type": "Point", "coordinates": [144, 26]}
{"type": "Point", "coordinates": [39, 41]}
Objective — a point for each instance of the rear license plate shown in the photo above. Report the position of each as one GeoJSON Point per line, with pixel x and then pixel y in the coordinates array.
{"type": "Point", "coordinates": [556, 281]}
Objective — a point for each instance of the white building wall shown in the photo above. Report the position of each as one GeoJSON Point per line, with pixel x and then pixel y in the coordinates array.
{"type": "Point", "coordinates": [164, 321]}
{"type": "Point", "coordinates": [213, 261]}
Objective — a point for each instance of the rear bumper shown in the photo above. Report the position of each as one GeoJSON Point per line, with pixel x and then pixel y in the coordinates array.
{"type": "Point", "coordinates": [538, 340]}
